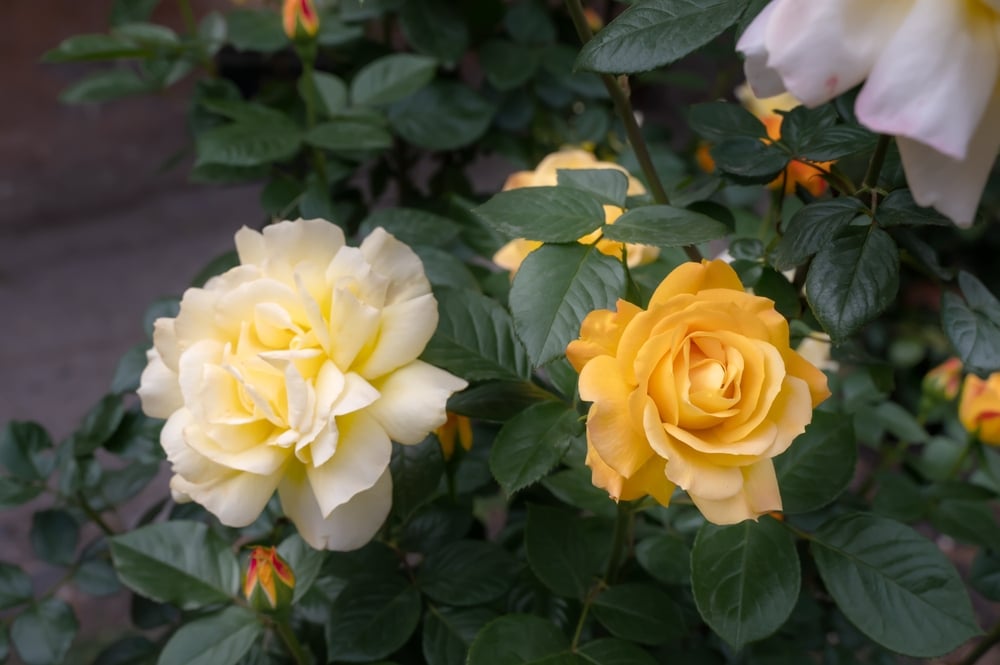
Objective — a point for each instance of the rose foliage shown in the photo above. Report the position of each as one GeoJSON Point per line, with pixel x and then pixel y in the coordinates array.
{"type": "Point", "coordinates": [548, 346]}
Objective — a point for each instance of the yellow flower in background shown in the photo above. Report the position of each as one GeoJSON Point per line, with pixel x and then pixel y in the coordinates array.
{"type": "Point", "coordinates": [698, 391]}
{"type": "Point", "coordinates": [766, 110]}
{"type": "Point", "coordinates": [514, 252]}
{"type": "Point", "coordinates": [979, 407]}
{"type": "Point", "coordinates": [455, 428]}
{"type": "Point", "coordinates": [299, 18]}
{"type": "Point", "coordinates": [944, 380]}
{"type": "Point", "coordinates": [269, 580]}
{"type": "Point", "coordinates": [293, 372]}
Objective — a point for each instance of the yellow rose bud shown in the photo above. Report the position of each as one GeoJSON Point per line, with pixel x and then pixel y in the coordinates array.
{"type": "Point", "coordinates": [458, 427]}
{"type": "Point", "coordinates": [698, 391]}
{"type": "Point", "coordinates": [300, 19]}
{"type": "Point", "coordinates": [513, 253]}
{"type": "Point", "coordinates": [594, 20]}
{"type": "Point", "coordinates": [269, 581]}
{"type": "Point", "coordinates": [979, 408]}
{"type": "Point", "coordinates": [943, 381]}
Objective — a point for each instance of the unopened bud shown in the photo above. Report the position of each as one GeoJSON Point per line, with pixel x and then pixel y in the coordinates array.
{"type": "Point", "coordinates": [456, 427]}
{"type": "Point", "coordinates": [300, 19]}
{"type": "Point", "coordinates": [269, 581]}
{"type": "Point", "coordinates": [943, 381]}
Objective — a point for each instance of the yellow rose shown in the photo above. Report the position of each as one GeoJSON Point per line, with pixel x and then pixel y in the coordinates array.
{"type": "Point", "coordinates": [513, 253]}
{"type": "Point", "coordinates": [979, 408]}
{"type": "Point", "coordinates": [699, 391]}
{"type": "Point", "coordinates": [293, 371]}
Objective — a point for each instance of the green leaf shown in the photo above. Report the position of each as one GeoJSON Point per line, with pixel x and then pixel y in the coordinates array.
{"type": "Point", "coordinates": [530, 22]}
{"type": "Point", "coordinates": [665, 557]}
{"type": "Point", "coordinates": [899, 209]}
{"type": "Point", "coordinates": [441, 116]}
{"type": "Point", "coordinates": [549, 214]}
{"type": "Point", "coordinates": [508, 65]}
{"type": "Point", "coordinates": [390, 78]}
{"type": "Point", "coordinates": [435, 28]}
{"type": "Point", "coordinates": [416, 473]}
{"type": "Point", "coordinates": [564, 551]}
{"type": "Point", "coordinates": [23, 450]}
{"type": "Point", "coordinates": [818, 465]}
{"type": "Point", "coordinates": [15, 586]}
{"type": "Point", "coordinates": [177, 562]}
{"type": "Point", "coordinates": [43, 633]}
{"type": "Point", "coordinates": [555, 288]}
{"type": "Point", "coordinates": [812, 227]}
{"type": "Point", "coordinates": [497, 401]}
{"type": "Point", "coordinates": [251, 30]}
{"type": "Point", "coordinates": [745, 578]}
{"type": "Point", "coordinates": [81, 48]}
{"type": "Point", "coordinates": [574, 487]}
{"type": "Point", "coordinates": [664, 226]}
{"type": "Point", "coordinates": [106, 86]}
{"type": "Point", "coordinates": [248, 143]}
{"type": "Point", "coordinates": [331, 92]}
{"type": "Point", "coordinates": [304, 561]}
{"type": "Point", "coordinates": [131, 650]}
{"type": "Point", "coordinates": [610, 651]}
{"type": "Point", "coordinates": [448, 633]}
{"type": "Point", "coordinates": [853, 279]}
{"type": "Point", "coordinates": [475, 338]}
{"type": "Point", "coordinates": [610, 186]}
{"type": "Point", "coordinates": [467, 572]}
{"type": "Point", "coordinates": [894, 585]}
{"type": "Point", "coordinates": [973, 325]}
{"type": "Point", "coordinates": [99, 425]}
{"type": "Point", "coordinates": [985, 574]}
{"type": "Point", "coordinates": [14, 492]}
{"type": "Point", "coordinates": [749, 159]}
{"type": "Point", "coordinates": [531, 443]}
{"type": "Point", "coordinates": [968, 521]}
{"type": "Point", "coordinates": [371, 618]}
{"type": "Point", "coordinates": [444, 269]}
{"type": "Point", "coordinates": [128, 11]}
{"type": "Point", "coordinates": [54, 536]}
{"type": "Point", "coordinates": [218, 639]}
{"type": "Point", "coordinates": [129, 369]}
{"type": "Point", "coordinates": [97, 577]}
{"type": "Point", "coordinates": [836, 142]}
{"type": "Point", "coordinates": [412, 226]}
{"type": "Point", "coordinates": [898, 421]}
{"type": "Point", "coordinates": [346, 135]}
{"type": "Point", "coordinates": [718, 121]}
{"type": "Point", "coordinates": [519, 639]}
{"type": "Point", "coordinates": [657, 32]}
{"type": "Point", "coordinates": [639, 613]}
{"type": "Point", "coordinates": [899, 497]}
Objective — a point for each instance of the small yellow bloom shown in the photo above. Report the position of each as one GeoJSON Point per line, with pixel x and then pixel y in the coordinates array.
{"type": "Point", "coordinates": [458, 427]}
{"type": "Point", "coordinates": [269, 581]}
{"type": "Point", "coordinates": [546, 174]}
{"type": "Point", "coordinates": [699, 391]}
{"type": "Point", "coordinates": [300, 18]}
{"type": "Point", "coordinates": [943, 381]}
{"type": "Point", "coordinates": [979, 408]}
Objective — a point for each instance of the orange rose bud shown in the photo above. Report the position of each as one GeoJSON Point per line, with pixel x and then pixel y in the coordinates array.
{"type": "Point", "coordinates": [943, 381]}
{"type": "Point", "coordinates": [594, 20]}
{"type": "Point", "coordinates": [979, 408]}
{"type": "Point", "coordinates": [269, 581]}
{"type": "Point", "coordinates": [458, 427]}
{"type": "Point", "coordinates": [300, 19]}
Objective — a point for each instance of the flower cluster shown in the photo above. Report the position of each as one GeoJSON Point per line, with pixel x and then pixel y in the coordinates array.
{"type": "Point", "coordinates": [293, 372]}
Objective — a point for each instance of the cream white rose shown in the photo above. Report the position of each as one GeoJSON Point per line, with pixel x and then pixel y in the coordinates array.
{"type": "Point", "coordinates": [293, 372]}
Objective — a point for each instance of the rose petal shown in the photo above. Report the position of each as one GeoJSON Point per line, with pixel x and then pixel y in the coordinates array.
{"type": "Point", "coordinates": [609, 424]}
{"type": "Point", "coordinates": [397, 262]}
{"type": "Point", "coordinates": [689, 278]}
{"type": "Point", "coordinates": [363, 453]}
{"type": "Point", "coordinates": [413, 399]}
{"type": "Point", "coordinates": [764, 81]}
{"type": "Point", "coordinates": [406, 327]}
{"type": "Point", "coordinates": [159, 390]}
{"type": "Point", "coordinates": [759, 495]}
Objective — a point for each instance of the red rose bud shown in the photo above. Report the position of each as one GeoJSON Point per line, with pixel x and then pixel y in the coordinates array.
{"type": "Point", "coordinates": [269, 581]}
{"type": "Point", "coordinates": [300, 19]}
{"type": "Point", "coordinates": [943, 381]}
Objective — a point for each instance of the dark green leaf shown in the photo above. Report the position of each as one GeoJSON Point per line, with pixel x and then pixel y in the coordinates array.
{"type": "Point", "coordinates": [565, 552]}
{"type": "Point", "coordinates": [531, 443]}
{"type": "Point", "coordinates": [106, 86]}
{"type": "Point", "coordinates": [444, 269]}
{"type": "Point", "coordinates": [435, 525]}
{"type": "Point", "coordinates": [467, 572]}
{"type": "Point", "coordinates": [99, 425]}
{"type": "Point", "coordinates": [899, 209]}
{"type": "Point", "coordinates": [895, 586]}
{"type": "Point", "coordinates": [497, 400]}
{"type": "Point", "coordinates": [412, 226]}
{"type": "Point", "coordinates": [519, 639]}
{"type": "Point", "coordinates": [836, 142]}
{"type": "Point", "coordinates": [132, 650]}
{"type": "Point", "coordinates": [177, 562]}
{"type": "Point", "coordinates": [23, 449]}
{"type": "Point", "coordinates": [549, 214]}
{"type": "Point", "coordinates": [249, 143]}
{"type": "Point", "coordinates": [129, 369]}
{"type": "Point", "coordinates": [448, 633]}
{"type": "Point", "coordinates": [441, 116]}
{"type": "Point", "coordinates": [530, 22]}
{"type": "Point", "coordinates": [251, 30]}
{"type": "Point", "coordinates": [416, 472]}
{"type": "Point", "coordinates": [128, 11]}
{"type": "Point", "coordinates": [371, 618]}
{"type": "Point", "coordinates": [435, 28]}
{"type": "Point", "coordinates": [574, 487]}
{"type": "Point", "coordinates": [664, 226]}
{"type": "Point", "coordinates": [347, 135]}
{"type": "Point", "coordinates": [853, 279]}
{"type": "Point", "coordinates": [218, 639]}
{"type": "Point", "coordinates": [475, 338]}
{"type": "Point", "coordinates": [899, 497]}
{"type": "Point", "coordinates": [749, 159]}
{"type": "Point", "coordinates": [745, 578]}
{"type": "Point", "coordinates": [610, 186]}
{"type": "Point", "coordinates": [657, 32]}
{"type": "Point", "coordinates": [801, 125]}
{"type": "Point", "coordinates": [555, 288]}
{"type": "Point", "coordinates": [665, 557]}
{"type": "Point", "coordinates": [639, 613]}
{"type": "Point", "coordinates": [973, 325]}
{"type": "Point", "coordinates": [97, 577]}
{"type": "Point", "coordinates": [968, 521]}
{"type": "Point", "coordinates": [610, 651]}
{"type": "Point", "coordinates": [54, 535]}
{"type": "Point", "coordinates": [818, 465]}
{"type": "Point", "coordinates": [15, 586]}
{"type": "Point", "coordinates": [812, 227]}
{"type": "Point", "coordinates": [43, 633]}
{"type": "Point", "coordinates": [718, 121]}
{"type": "Point", "coordinates": [14, 492]}
{"type": "Point", "coordinates": [390, 78]}
{"type": "Point", "coordinates": [330, 91]}
{"type": "Point", "coordinates": [304, 561]}
{"type": "Point", "coordinates": [985, 574]}
{"type": "Point", "coordinates": [94, 47]}
{"type": "Point", "coordinates": [508, 65]}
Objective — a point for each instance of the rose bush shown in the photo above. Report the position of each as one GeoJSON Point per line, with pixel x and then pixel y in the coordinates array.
{"type": "Point", "coordinates": [546, 174]}
{"type": "Point", "coordinates": [918, 58]}
{"type": "Point", "coordinates": [294, 371]}
{"type": "Point", "coordinates": [700, 391]}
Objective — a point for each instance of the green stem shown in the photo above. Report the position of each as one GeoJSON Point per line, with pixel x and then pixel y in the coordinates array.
{"type": "Point", "coordinates": [956, 467]}
{"type": "Point", "coordinates": [291, 641]}
{"type": "Point", "coordinates": [191, 25]}
{"type": "Point", "coordinates": [799, 533]}
{"type": "Point", "coordinates": [989, 641]}
{"type": "Point", "coordinates": [588, 601]}
{"type": "Point", "coordinates": [308, 57]}
{"type": "Point", "coordinates": [623, 107]}
{"type": "Point", "coordinates": [875, 168]}
{"type": "Point", "coordinates": [93, 515]}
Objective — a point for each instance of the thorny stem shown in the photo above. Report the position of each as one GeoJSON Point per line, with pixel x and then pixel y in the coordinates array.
{"type": "Point", "coordinates": [287, 636]}
{"type": "Point", "coordinates": [623, 107]}
{"type": "Point", "coordinates": [875, 168]}
{"type": "Point", "coordinates": [988, 642]}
